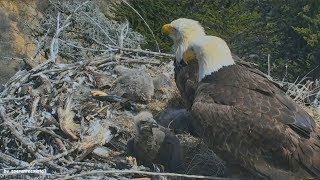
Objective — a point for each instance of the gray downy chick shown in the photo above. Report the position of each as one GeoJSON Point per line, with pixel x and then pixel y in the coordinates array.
{"type": "Point", "coordinates": [154, 144]}
{"type": "Point", "coordinates": [134, 84]}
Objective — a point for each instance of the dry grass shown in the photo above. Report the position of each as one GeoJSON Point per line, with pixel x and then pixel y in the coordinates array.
{"type": "Point", "coordinates": [313, 112]}
{"type": "Point", "coordinates": [307, 94]}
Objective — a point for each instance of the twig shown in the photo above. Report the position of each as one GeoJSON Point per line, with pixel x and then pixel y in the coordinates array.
{"type": "Point", "coordinates": [83, 48]}
{"type": "Point", "coordinates": [85, 153]}
{"type": "Point", "coordinates": [107, 64]}
{"type": "Point", "coordinates": [144, 51]}
{"type": "Point", "coordinates": [60, 144]}
{"type": "Point", "coordinates": [35, 101]}
{"type": "Point", "coordinates": [25, 141]}
{"type": "Point", "coordinates": [97, 24]}
{"type": "Point", "coordinates": [54, 47]}
{"type": "Point", "coordinates": [123, 33]}
{"type": "Point", "coordinates": [99, 62]}
{"type": "Point", "coordinates": [69, 67]}
{"type": "Point", "coordinates": [101, 172]}
{"type": "Point", "coordinates": [12, 161]}
{"type": "Point", "coordinates": [130, 60]}
{"type": "Point", "coordinates": [269, 66]}
{"type": "Point", "coordinates": [40, 45]}
{"type": "Point", "coordinates": [154, 37]}
{"type": "Point", "coordinates": [285, 74]}
{"type": "Point", "coordinates": [13, 99]}
{"type": "Point", "coordinates": [134, 50]}
{"type": "Point", "coordinates": [95, 165]}
{"type": "Point", "coordinates": [44, 160]}
{"type": "Point", "coordinates": [48, 131]}
{"type": "Point", "coordinates": [112, 48]}
{"type": "Point", "coordinates": [19, 76]}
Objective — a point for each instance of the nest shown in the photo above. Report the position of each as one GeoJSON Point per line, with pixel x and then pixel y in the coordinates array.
{"type": "Point", "coordinates": [49, 119]}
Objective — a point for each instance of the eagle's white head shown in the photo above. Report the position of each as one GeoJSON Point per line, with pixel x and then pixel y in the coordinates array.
{"type": "Point", "coordinates": [182, 31]}
{"type": "Point", "coordinates": [211, 52]}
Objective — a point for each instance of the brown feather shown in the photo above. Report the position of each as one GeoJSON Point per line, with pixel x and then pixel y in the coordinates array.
{"type": "Point", "coordinates": [186, 77]}
{"type": "Point", "coordinates": [246, 117]}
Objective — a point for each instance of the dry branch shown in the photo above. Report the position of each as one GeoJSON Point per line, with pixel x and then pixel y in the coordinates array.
{"type": "Point", "coordinates": [12, 161]}
{"type": "Point", "coordinates": [48, 131]}
{"type": "Point", "coordinates": [48, 159]}
{"type": "Point", "coordinates": [117, 172]}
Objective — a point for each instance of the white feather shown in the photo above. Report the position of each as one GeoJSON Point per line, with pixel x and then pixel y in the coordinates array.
{"type": "Point", "coordinates": [185, 31]}
{"type": "Point", "coordinates": [212, 53]}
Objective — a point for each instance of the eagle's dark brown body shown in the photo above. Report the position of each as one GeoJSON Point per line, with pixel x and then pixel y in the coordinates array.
{"type": "Point", "coordinates": [246, 117]}
{"type": "Point", "coordinates": [186, 78]}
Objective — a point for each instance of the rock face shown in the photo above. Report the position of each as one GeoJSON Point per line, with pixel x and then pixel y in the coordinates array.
{"type": "Point", "coordinates": [14, 43]}
{"type": "Point", "coordinates": [18, 19]}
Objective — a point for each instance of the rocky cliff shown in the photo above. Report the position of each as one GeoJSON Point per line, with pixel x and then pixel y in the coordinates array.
{"type": "Point", "coordinates": [15, 15]}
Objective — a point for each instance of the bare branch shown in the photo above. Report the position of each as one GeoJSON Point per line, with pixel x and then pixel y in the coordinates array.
{"type": "Point", "coordinates": [48, 159]}
{"type": "Point", "coordinates": [40, 45]}
{"type": "Point", "coordinates": [12, 161]}
{"type": "Point", "coordinates": [115, 172]}
{"type": "Point", "coordinates": [154, 37]}
{"type": "Point", "coordinates": [106, 34]}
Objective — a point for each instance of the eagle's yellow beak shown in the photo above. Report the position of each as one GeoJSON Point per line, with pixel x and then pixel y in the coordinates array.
{"type": "Point", "coordinates": [166, 29]}
{"type": "Point", "coordinates": [188, 56]}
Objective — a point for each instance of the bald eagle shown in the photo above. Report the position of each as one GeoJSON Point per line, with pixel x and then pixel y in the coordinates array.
{"type": "Point", "coordinates": [182, 31]}
{"type": "Point", "coordinates": [247, 118]}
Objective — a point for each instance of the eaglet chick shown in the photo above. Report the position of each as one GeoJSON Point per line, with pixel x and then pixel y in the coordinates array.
{"type": "Point", "coordinates": [154, 144]}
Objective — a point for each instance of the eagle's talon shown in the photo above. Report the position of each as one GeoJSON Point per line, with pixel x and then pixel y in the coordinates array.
{"type": "Point", "coordinates": [132, 160]}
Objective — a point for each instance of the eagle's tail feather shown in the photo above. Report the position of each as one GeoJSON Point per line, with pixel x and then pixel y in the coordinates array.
{"type": "Point", "coordinates": [309, 153]}
{"type": "Point", "coordinates": [303, 156]}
